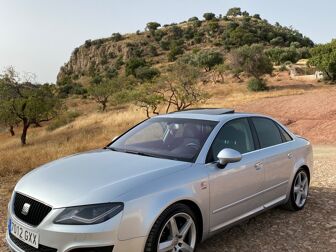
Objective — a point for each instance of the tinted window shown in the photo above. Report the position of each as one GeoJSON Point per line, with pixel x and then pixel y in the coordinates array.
{"type": "Point", "coordinates": [235, 135]}
{"type": "Point", "coordinates": [267, 131]}
{"type": "Point", "coordinates": [285, 136]}
{"type": "Point", "coordinates": [172, 138]}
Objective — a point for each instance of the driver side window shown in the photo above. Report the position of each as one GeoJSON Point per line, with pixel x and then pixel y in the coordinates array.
{"type": "Point", "coordinates": [236, 135]}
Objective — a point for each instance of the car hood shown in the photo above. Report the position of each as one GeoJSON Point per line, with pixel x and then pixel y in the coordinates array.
{"type": "Point", "coordinates": [93, 177]}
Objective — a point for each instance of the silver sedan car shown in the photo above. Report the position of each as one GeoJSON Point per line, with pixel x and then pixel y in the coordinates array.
{"type": "Point", "coordinates": [165, 185]}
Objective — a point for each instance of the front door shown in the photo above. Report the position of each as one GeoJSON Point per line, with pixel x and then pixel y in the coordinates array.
{"type": "Point", "coordinates": [235, 190]}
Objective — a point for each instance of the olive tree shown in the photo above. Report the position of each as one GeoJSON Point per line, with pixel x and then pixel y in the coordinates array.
{"type": "Point", "coordinates": [209, 16]}
{"type": "Point", "coordinates": [148, 97]}
{"type": "Point", "coordinates": [180, 87]}
{"type": "Point", "coordinates": [152, 27]}
{"type": "Point", "coordinates": [251, 60]}
{"type": "Point", "coordinates": [26, 103]}
{"type": "Point", "coordinates": [236, 11]}
{"type": "Point", "coordinates": [324, 59]}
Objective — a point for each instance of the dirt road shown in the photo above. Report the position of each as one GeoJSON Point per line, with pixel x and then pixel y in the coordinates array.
{"type": "Point", "coordinates": [312, 229]}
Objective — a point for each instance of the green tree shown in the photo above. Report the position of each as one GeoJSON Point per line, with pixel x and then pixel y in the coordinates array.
{"type": "Point", "coordinates": [116, 37]}
{"type": "Point", "coordinates": [148, 97]}
{"type": "Point", "coordinates": [209, 59]}
{"type": "Point", "coordinates": [205, 59]}
{"type": "Point", "coordinates": [193, 19]}
{"type": "Point", "coordinates": [133, 64]}
{"type": "Point", "coordinates": [146, 73]}
{"type": "Point", "coordinates": [25, 102]}
{"type": "Point", "coordinates": [234, 12]}
{"type": "Point", "coordinates": [209, 16]}
{"type": "Point", "coordinates": [180, 87]}
{"type": "Point", "coordinates": [152, 27]}
{"type": "Point", "coordinates": [251, 60]}
{"type": "Point", "coordinates": [175, 50]}
{"type": "Point", "coordinates": [324, 59]}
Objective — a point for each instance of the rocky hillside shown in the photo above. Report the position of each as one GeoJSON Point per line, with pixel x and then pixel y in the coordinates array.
{"type": "Point", "coordinates": [107, 57]}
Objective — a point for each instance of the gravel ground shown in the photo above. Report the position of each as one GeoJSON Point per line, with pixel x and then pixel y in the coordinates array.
{"type": "Point", "coordinates": [312, 229]}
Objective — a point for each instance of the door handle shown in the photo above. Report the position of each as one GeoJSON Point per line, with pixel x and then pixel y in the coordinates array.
{"type": "Point", "coordinates": [258, 166]}
{"type": "Point", "coordinates": [290, 155]}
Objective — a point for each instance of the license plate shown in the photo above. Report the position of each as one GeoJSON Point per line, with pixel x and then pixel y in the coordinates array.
{"type": "Point", "coordinates": [23, 234]}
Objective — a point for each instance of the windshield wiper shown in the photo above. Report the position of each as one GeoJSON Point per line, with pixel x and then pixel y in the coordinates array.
{"type": "Point", "coordinates": [110, 148]}
{"type": "Point", "coordinates": [140, 153]}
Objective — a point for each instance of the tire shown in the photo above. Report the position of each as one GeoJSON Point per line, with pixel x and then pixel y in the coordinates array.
{"type": "Point", "coordinates": [162, 231]}
{"type": "Point", "coordinates": [295, 203]}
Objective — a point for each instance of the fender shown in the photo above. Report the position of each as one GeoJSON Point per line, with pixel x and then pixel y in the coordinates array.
{"type": "Point", "coordinates": [141, 213]}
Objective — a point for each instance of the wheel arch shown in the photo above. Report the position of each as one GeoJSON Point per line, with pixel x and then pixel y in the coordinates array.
{"type": "Point", "coordinates": [197, 211]}
{"type": "Point", "coordinates": [306, 169]}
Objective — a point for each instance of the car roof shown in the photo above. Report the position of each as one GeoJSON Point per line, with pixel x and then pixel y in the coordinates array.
{"type": "Point", "coordinates": [211, 114]}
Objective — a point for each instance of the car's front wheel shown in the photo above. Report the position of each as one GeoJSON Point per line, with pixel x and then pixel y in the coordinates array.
{"type": "Point", "coordinates": [175, 230]}
{"type": "Point", "coordinates": [299, 191]}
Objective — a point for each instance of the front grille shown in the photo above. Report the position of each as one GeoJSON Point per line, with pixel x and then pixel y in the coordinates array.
{"type": "Point", "coordinates": [37, 211]}
{"type": "Point", "coordinates": [27, 248]}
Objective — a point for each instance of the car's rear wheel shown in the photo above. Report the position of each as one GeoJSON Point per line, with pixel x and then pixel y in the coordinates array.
{"type": "Point", "coordinates": [175, 230]}
{"type": "Point", "coordinates": [299, 191]}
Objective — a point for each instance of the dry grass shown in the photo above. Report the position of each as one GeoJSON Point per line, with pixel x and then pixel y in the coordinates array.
{"type": "Point", "coordinates": [95, 130]}
{"type": "Point", "coordinates": [87, 132]}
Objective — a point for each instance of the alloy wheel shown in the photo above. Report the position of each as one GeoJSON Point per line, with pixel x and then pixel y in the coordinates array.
{"type": "Point", "coordinates": [178, 234]}
{"type": "Point", "coordinates": [300, 189]}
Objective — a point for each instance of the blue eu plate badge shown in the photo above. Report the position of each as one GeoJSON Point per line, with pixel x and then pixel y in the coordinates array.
{"type": "Point", "coordinates": [9, 225]}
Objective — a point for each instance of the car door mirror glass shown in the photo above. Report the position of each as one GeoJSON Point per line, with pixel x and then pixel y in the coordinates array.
{"type": "Point", "coordinates": [227, 155]}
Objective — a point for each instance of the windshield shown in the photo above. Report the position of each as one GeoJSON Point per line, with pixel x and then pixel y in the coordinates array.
{"type": "Point", "coordinates": [171, 138]}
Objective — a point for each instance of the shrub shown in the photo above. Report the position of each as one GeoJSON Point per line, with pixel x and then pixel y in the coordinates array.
{"type": "Point", "coordinates": [234, 12]}
{"type": "Point", "coordinates": [133, 64]}
{"type": "Point", "coordinates": [158, 35]}
{"type": "Point", "coordinates": [209, 16]}
{"type": "Point", "coordinates": [88, 43]}
{"type": "Point", "coordinates": [192, 19]}
{"type": "Point", "coordinates": [164, 44]}
{"type": "Point", "coordinates": [175, 49]}
{"type": "Point", "coordinates": [116, 37]}
{"type": "Point", "coordinates": [278, 41]}
{"type": "Point", "coordinates": [63, 120]}
{"type": "Point", "coordinates": [111, 73]}
{"type": "Point", "coordinates": [71, 89]}
{"type": "Point", "coordinates": [153, 51]}
{"type": "Point", "coordinates": [146, 73]}
{"type": "Point", "coordinates": [152, 27]}
{"type": "Point", "coordinates": [256, 85]}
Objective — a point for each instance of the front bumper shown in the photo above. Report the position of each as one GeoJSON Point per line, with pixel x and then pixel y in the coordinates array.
{"type": "Point", "coordinates": [65, 238]}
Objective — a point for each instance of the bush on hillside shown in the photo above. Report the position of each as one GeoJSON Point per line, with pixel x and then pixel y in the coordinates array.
{"type": "Point", "coordinates": [133, 64]}
{"type": "Point", "coordinates": [236, 11]}
{"type": "Point", "coordinates": [63, 120]}
{"type": "Point", "coordinates": [146, 73]}
{"type": "Point", "coordinates": [209, 16]}
{"type": "Point", "coordinates": [256, 85]}
{"type": "Point", "coordinates": [116, 37]}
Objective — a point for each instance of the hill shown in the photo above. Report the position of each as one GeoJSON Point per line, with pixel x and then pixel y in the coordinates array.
{"type": "Point", "coordinates": [156, 47]}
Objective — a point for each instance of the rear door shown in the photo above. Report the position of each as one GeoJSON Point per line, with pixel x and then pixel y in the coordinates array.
{"type": "Point", "coordinates": [276, 159]}
{"type": "Point", "coordinates": [235, 190]}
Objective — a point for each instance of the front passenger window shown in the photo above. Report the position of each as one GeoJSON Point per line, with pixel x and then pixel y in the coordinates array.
{"type": "Point", "coordinates": [236, 135]}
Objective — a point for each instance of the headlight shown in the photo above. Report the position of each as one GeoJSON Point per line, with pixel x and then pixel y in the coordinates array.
{"type": "Point", "coordinates": [88, 215]}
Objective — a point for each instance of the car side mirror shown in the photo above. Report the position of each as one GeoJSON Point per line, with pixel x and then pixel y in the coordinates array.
{"type": "Point", "coordinates": [227, 156]}
{"type": "Point", "coordinates": [114, 138]}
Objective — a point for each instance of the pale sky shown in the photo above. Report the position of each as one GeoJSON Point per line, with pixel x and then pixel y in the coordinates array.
{"type": "Point", "coordinates": [38, 36]}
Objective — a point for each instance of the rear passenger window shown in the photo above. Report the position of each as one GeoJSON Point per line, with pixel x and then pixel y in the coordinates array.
{"type": "Point", "coordinates": [268, 132]}
{"type": "Point", "coordinates": [286, 137]}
